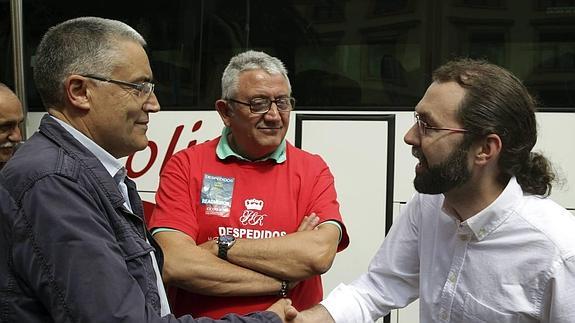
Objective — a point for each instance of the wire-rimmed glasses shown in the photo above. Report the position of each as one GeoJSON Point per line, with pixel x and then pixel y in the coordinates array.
{"type": "Point", "coordinates": [423, 126]}
{"type": "Point", "coordinates": [144, 88]}
{"type": "Point", "coordinates": [263, 105]}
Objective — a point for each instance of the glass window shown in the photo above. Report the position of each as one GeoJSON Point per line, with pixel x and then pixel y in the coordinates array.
{"type": "Point", "coordinates": [480, 3]}
{"type": "Point", "coordinates": [6, 55]}
{"type": "Point", "coordinates": [340, 54]}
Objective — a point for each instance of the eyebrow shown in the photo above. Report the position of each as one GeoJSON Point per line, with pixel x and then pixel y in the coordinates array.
{"type": "Point", "coordinates": [10, 123]}
{"type": "Point", "coordinates": [426, 116]}
{"type": "Point", "coordinates": [142, 78]}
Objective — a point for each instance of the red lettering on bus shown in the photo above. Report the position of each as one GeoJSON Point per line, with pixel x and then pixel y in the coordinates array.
{"type": "Point", "coordinates": [153, 154]}
{"type": "Point", "coordinates": [172, 145]}
{"type": "Point", "coordinates": [154, 151]}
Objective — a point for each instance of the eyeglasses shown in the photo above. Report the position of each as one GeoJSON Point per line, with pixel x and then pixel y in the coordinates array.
{"type": "Point", "coordinates": [263, 105]}
{"type": "Point", "coordinates": [144, 88]}
{"type": "Point", "coordinates": [423, 126]}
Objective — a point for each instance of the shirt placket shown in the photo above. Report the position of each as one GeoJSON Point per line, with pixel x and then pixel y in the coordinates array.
{"type": "Point", "coordinates": [448, 292]}
{"type": "Point", "coordinates": [164, 306]}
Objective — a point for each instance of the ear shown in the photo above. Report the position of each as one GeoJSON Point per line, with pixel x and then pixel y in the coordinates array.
{"type": "Point", "coordinates": [224, 111]}
{"type": "Point", "coordinates": [77, 91]}
{"type": "Point", "coordinates": [488, 150]}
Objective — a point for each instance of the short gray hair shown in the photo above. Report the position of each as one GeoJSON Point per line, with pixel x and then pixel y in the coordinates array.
{"type": "Point", "coordinates": [249, 60]}
{"type": "Point", "coordinates": [85, 45]}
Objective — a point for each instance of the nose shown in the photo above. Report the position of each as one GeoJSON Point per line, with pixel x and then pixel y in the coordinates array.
{"type": "Point", "coordinates": [15, 135]}
{"type": "Point", "coordinates": [151, 104]}
{"type": "Point", "coordinates": [411, 137]}
{"type": "Point", "coordinates": [273, 113]}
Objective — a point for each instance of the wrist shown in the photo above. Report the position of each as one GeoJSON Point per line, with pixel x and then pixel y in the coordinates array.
{"type": "Point", "coordinates": [283, 292]}
{"type": "Point", "coordinates": [224, 243]}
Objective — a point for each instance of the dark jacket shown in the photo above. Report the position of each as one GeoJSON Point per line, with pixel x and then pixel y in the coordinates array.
{"type": "Point", "coordinates": [69, 250]}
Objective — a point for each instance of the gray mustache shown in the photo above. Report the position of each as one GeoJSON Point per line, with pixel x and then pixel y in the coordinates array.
{"type": "Point", "coordinates": [10, 144]}
{"type": "Point", "coordinates": [7, 145]}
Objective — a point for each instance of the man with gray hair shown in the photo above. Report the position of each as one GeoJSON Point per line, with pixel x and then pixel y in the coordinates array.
{"type": "Point", "coordinates": [74, 243]}
{"type": "Point", "coordinates": [247, 218]}
{"type": "Point", "coordinates": [11, 117]}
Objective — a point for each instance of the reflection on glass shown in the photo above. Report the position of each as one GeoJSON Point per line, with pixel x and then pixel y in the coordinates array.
{"type": "Point", "coordinates": [340, 54]}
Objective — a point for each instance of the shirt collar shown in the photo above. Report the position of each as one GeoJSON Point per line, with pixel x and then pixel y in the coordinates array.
{"type": "Point", "coordinates": [111, 164]}
{"type": "Point", "coordinates": [487, 220]}
{"type": "Point", "coordinates": [224, 150]}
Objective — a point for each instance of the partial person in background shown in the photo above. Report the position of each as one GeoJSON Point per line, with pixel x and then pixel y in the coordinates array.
{"type": "Point", "coordinates": [480, 242]}
{"type": "Point", "coordinates": [74, 247]}
{"type": "Point", "coordinates": [247, 218]}
{"type": "Point", "coordinates": [11, 117]}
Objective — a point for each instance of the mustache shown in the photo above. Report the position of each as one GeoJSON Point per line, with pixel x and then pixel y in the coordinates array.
{"type": "Point", "coordinates": [8, 145]}
{"type": "Point", "coordinates": [417, 153]}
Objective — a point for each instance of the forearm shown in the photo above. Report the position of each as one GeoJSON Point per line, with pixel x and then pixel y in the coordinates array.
{"type": "Point", "coordinates": [293, 257]}
{"type": "Point", "coordinates": [212, 276]}
{"type": "Point", "coordinates": [193, 268]}
{"type": "Point", "coordinates": [316, 314]}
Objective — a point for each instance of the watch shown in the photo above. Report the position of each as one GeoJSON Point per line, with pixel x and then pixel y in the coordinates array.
{"type": "Point", "coordinates": [225, 242]}
{"type": "Point", "coordinates": [284, 289]}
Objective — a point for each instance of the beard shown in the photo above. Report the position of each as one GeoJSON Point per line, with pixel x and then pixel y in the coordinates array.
{"type": "Point", "coordinates": [449, 174]}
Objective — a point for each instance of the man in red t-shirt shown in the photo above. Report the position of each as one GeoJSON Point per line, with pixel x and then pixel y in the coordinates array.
{"type": "Point", "coordinates": [247, 218]}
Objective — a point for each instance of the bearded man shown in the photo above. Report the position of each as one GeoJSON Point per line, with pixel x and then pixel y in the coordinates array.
{"type": "Point", "coordinates": [480, 242]}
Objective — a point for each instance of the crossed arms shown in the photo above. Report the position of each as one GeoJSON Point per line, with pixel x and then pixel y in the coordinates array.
{"type": "Point", "coordinates": [254, 266]}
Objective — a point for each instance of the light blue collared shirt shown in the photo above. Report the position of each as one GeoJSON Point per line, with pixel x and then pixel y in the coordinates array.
{"type": "Point", "coordinates": [223, 150]}
{"type": "Point", "coordinates": [111, 164]}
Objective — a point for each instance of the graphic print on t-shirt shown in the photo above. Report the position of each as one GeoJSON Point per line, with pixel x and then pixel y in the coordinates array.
{"type": "Point", "coordinates": [252, 222]}
{"type": "Point", "coordinates": [217, 194]}
{"type": "Point", "coordinates": [251, 215]}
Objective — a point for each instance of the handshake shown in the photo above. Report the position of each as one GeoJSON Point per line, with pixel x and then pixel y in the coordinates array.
{"type": "Point", "coordinates": [288, 313]}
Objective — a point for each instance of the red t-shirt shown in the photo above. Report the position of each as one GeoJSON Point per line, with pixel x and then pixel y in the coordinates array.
{"type": "Point", "coordinates": [205, 197]}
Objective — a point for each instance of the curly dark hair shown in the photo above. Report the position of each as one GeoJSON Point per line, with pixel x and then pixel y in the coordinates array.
{"type": "Point", "coordinates": [497, 102]}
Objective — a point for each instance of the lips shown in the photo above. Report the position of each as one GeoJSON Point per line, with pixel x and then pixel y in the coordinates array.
{"type": "Point", "coordinates": [272, 130]}
{"type": "Point", "coordinates": [142, 124]}
{"type": "Point", "coordinates": [417, 154]}
{"type": "Point", "coordinates": [422, 160]}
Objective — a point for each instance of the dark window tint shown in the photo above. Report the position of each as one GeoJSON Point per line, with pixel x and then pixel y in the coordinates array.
{"type": "Point", "coordinates": [6, 55]}
{"type": "Point", "coordinates": [364, 54]}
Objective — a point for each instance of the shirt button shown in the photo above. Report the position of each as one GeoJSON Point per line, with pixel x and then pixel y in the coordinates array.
{"type": "Point", "coordinates": [482, 233]}
{"type": "Point", "coordinates": [452, 277]}
{"type": "Point", "coordinates": [443, 315]}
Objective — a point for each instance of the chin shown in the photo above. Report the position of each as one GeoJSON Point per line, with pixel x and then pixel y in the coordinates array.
{"type": "Point", "coordinates": [141, 146]}
{"type": "Point", "coordinates": [4, 158]}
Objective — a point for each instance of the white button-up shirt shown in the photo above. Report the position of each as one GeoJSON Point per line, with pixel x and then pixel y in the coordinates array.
{"type": "Point", "coordinates": [512, 262]}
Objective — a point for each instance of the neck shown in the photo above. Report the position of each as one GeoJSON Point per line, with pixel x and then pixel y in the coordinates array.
{"type": "Point", "coordinates": [76, 121]}
{"type": "Point", "coordinates": [234, 146]}
{"type": "Point", "coordinates": [472, 197]}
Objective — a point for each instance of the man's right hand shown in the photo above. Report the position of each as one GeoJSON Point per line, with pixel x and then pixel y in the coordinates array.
{"type": "Point", "coordinates": [284, 310]}
{"type": "Point", "coordinates": [316, 314]}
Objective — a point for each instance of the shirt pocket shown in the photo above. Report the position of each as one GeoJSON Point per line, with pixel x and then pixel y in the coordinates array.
{"type": "Point", "coordinates": [476, 312]}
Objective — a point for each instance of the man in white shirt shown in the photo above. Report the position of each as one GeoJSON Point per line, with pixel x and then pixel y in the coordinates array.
{"type": "Point", "coordinates": [480, 242]}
